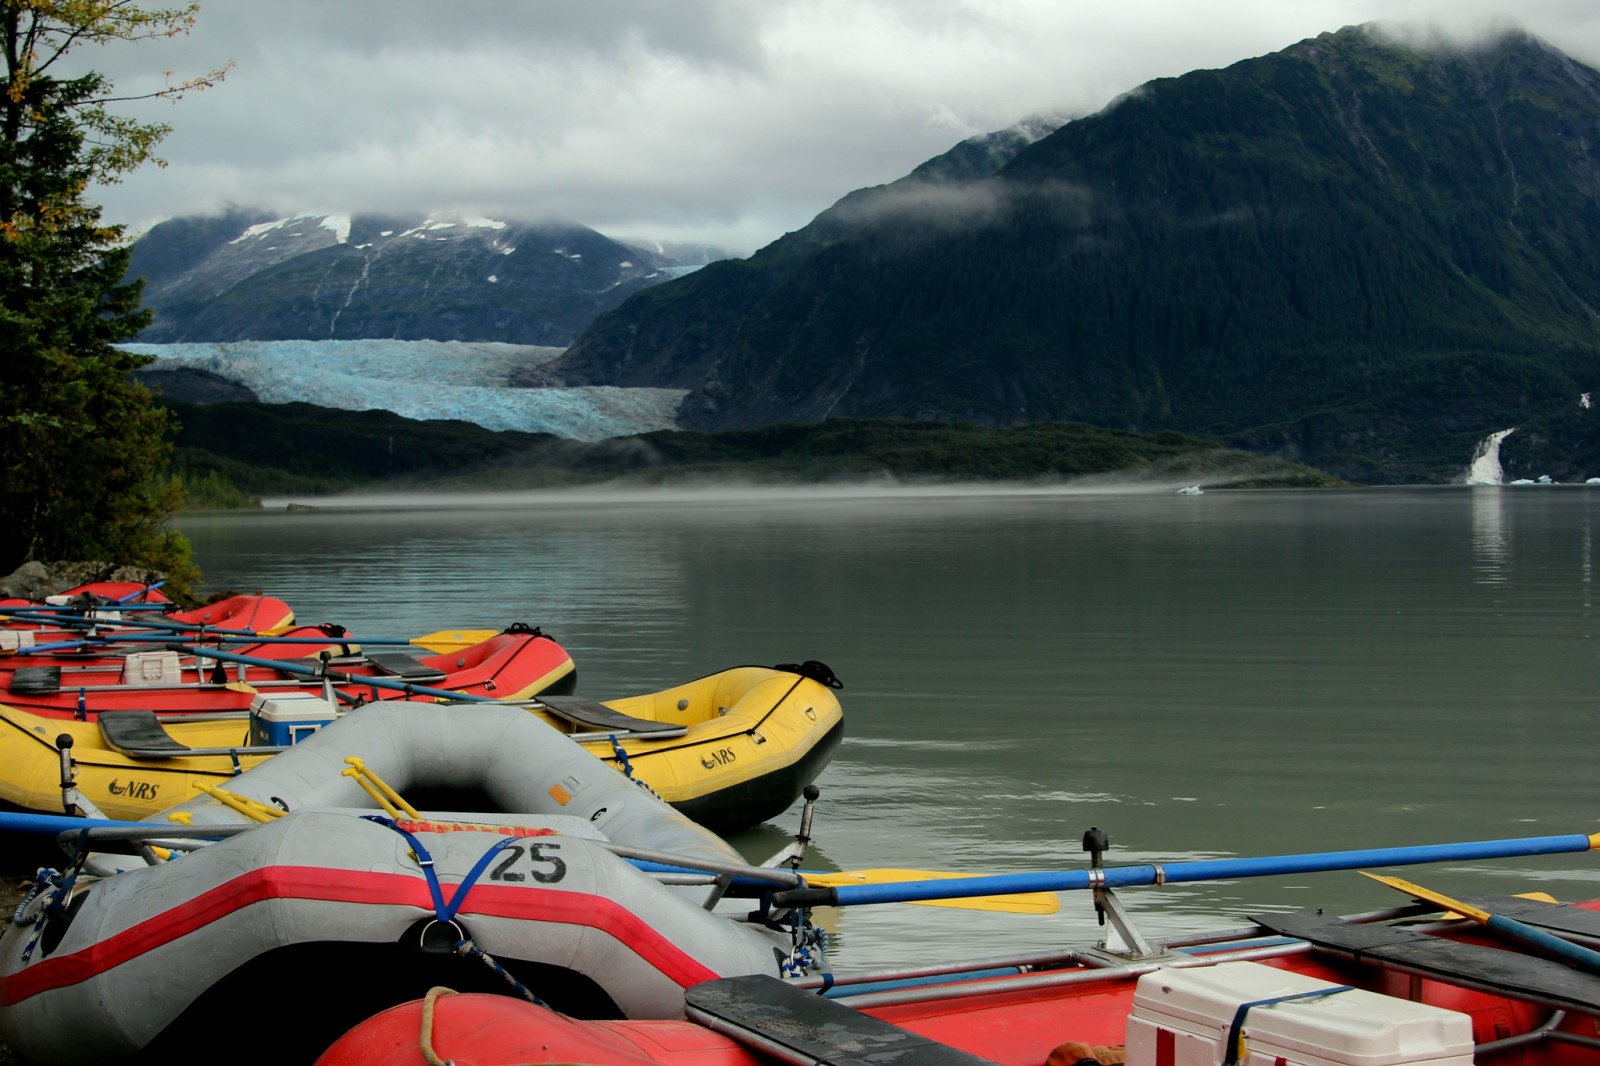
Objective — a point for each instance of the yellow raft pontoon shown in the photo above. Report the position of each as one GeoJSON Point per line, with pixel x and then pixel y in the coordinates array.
{"type": "Point", "coordinates": [730, 750]}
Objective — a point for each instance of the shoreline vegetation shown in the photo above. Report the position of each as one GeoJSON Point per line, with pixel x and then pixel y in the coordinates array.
{"type": "Point", "coordinates": [229, 455]}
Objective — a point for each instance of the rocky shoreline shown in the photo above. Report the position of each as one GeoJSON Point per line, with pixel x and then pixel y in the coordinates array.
{"type": "Point", "coordinates": [35, 580]}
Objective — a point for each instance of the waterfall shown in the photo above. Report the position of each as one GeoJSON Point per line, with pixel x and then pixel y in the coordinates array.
{"type": "Point", "coordinates": [1485, 467]}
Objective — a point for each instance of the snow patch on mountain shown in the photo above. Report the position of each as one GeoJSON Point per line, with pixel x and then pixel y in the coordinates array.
{"type": "Point", "coordinates": [426, 380]}
{"type": "Point", "coordinates": [338, 225]}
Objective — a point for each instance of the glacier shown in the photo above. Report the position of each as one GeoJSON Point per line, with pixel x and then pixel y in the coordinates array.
{"type": "Point", "coordinates": [462, 380]}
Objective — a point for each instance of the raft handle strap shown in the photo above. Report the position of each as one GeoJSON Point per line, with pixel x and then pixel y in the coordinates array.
{"type": "Point", "coordinates": [622, 757]}
{"type": "Point", "coordinates": [443, 912]}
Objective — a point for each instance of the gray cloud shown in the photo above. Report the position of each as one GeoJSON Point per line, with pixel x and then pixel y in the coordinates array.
{"type": "Point", "coordinates": [727, 121]}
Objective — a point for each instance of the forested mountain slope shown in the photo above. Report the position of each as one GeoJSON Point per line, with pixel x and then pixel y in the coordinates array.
{"type": "Point", "coordinates": [1356, 252]}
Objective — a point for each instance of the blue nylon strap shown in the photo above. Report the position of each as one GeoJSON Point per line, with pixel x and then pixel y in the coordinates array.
{"type": "Point", "coordinates": [445, 912]}
{"type": "Point", "coordinates": [424, 859]}
{"type": "Point", "coordinates": [622, 757]}
{"type": "Point", "coordinates": [460, 895]}
{"type": "Point", "coordinates": [1232, 1057]}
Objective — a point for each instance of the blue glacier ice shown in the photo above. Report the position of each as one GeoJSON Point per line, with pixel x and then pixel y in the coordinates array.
{"type": "Point", "coordinates": [425, 379]}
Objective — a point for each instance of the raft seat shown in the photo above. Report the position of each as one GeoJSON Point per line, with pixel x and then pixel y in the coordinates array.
{"type": "Point", "coordinates": [592, 714]}
{"type": "Point", "coordinates": [405, 666]}
{"type": "Point", "coordinates": [401, 665]}
{"type": "Point", "coordinates": [1499, 971]}
{"type": "Point", "coordinates": [140, 735]}
{"type": "Point", "coordinates": [35, 681]}
{"type": "Point", "coordinates": [760, 1011]}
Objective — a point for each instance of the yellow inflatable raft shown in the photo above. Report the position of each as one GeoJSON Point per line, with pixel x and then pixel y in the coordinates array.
{"type": "Point", "coordinates": [730, 750]}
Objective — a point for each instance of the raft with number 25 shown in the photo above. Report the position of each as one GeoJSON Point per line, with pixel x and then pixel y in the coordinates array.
{"type": "Point", "coordinates": [347, 898]}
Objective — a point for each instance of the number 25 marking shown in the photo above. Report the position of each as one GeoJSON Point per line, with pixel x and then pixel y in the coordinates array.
{"type": "Point", "coordinates": [557, 869]}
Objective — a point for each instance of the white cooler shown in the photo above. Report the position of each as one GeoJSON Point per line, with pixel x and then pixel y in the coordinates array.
{"type": "Point", "coordinates": [1183, 1017]}
{"type": "Point", "coordinates": [285, 718]}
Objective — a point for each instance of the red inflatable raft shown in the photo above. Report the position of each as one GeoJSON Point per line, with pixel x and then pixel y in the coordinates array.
{"type": "Point", "coordinates": [1326, 991]}
{"type": "Point", "coordinates": [514, 664]}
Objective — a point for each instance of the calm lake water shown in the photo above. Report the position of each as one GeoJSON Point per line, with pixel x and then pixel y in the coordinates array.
{"type": "Point", "coordinates": [1233, 674]}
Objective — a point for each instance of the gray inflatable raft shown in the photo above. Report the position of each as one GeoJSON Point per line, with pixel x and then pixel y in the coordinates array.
{"type": "Point", "coordinates": [344, 914]}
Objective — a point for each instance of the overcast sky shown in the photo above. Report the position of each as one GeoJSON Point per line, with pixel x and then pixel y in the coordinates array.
{"type": "Point", "coordinates": [725, 121]}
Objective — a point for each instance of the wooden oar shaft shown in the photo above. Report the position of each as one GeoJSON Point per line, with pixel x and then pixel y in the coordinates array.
{"type": "Point", "coordinates": [1184, 872]}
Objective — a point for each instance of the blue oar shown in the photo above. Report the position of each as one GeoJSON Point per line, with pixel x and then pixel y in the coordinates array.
{"type": "Point", "coordinates": [155, 636]}
{"type": "Point", "coordinates": [1182, 872]}
{"type": "Point", "coordinates": [1509, 928]}
{"type": "Point", "coordinates": [442, 640]}
{"type": "Point", "coordinates": [56, 824]}
{"type": "Point", "coordinates": [149, 625]}
{"type": "Point", "coordinates": [51, 824]}
{"type": "Point", "coordinates": [754, 878]}
{"type": "Point", "coordinates": [317, 673]}
{"type": "Point", "coordinates": [78, 613]}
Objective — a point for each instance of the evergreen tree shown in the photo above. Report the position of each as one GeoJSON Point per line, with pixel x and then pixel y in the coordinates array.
{"type": "Point", "coordinates": [84, 444]}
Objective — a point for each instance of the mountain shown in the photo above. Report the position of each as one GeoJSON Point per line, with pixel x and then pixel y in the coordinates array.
{"type": "Point", "coordinates": [732, 290]}
{"type": "Point", "coordinates": [247, 275]}
{"type": "Point", "coordinates": [1355, 252]}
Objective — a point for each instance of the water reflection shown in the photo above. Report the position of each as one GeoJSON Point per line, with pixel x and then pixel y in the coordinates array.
{"type": "Point", "coordinates": [1491, 545]}
{"type": "Point", "coordinates": [1586, 561]}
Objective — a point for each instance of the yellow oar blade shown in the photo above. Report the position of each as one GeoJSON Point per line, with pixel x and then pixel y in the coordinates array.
{"type": "Point", "coordinates": [1020, 903]}
{"type": "Point", "coordinates": [1542, 897]}
{"type": "Point", "coordinates": [446, 640]}
{"type": "Point", "coordinates": [1430, 896]}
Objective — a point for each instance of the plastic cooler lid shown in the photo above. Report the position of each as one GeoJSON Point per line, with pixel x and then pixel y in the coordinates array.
{"type": "Point", "coordinates": [1353, 1026]}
